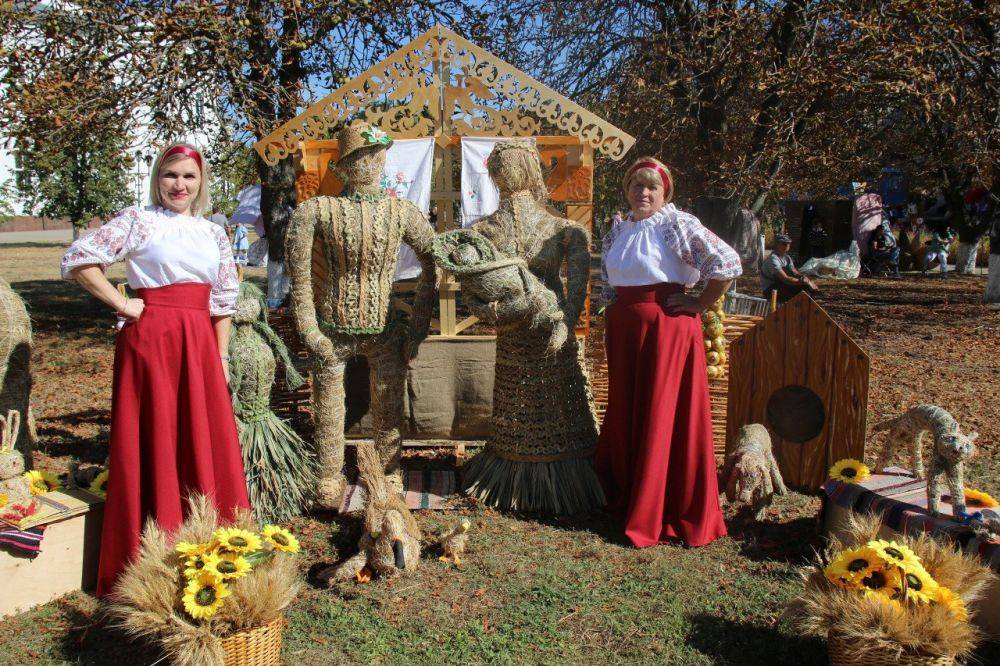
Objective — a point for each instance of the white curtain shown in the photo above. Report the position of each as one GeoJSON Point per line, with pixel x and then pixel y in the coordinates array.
{"type": "Point", "coordinates": [479, 194]}
{"type": "Point", "coordinates": [409, 164]}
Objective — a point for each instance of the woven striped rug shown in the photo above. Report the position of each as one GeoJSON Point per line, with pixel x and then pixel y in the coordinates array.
{"type": "Point", "coordinates": [424, 489]}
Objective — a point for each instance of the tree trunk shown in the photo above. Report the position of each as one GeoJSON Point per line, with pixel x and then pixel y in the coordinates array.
{"type": "Point", "coordinates": [966, 259]}
{"type": "Point", "coordinates": [277, 202]}
{"type": "Point", "coordinates": [722, 216]}
{"type": "Point", "coordinates": [993, 281]}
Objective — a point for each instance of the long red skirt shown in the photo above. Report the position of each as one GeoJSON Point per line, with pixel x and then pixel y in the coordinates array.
{"type": "Point", "coordinates": [655, 457]}
{"type": "Point", "coordinates": [172, 427]}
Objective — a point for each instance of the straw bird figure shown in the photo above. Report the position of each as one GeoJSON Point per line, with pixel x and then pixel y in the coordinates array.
{"type": "Point", "coordinates": [390, 545]}
{"type": "Point", "coordinates": [751, 475]}
{"type": "Point", "coordinates": [453, 542]}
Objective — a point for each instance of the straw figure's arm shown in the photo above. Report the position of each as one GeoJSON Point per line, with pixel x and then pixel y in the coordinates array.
{"type": "Point", "coordinates": [298, 251]}
{"type": "Point", "coordinates": [577, 242]}
{"type": "Point", "coordinates": [419, 235]}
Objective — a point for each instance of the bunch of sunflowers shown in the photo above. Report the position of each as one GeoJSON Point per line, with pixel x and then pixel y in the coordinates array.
{"type": "Point", "coordinates": [713, 330]}
{"type": "Point", "coordinates": [890, 572]}
{"type": "Point", "coordinates": [906, 600]}
{"type": "Point", "coordinates": [210, 567]}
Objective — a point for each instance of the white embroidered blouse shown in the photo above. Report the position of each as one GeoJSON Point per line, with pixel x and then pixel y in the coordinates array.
{"type": "Point", "coordinates": [668, 246]}
{"type": "Point", "coordinates": [161, 248]}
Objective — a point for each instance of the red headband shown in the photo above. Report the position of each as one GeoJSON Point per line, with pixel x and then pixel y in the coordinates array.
{"type": "Point", "coordinates": [183, 150]}
{"type": "Point", "coordinates": [668, 185]}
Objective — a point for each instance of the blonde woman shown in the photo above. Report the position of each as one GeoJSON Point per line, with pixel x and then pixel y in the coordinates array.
{"type": "Point", "coordinates": [172, 426]}
{"type": "Point", "coordinates": [654, 457]}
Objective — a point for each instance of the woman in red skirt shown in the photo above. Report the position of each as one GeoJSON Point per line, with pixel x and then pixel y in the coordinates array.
{"type": "Point", "coordinates": [172, 427]}
{"type": "Point", "coordinates": [655, 458]}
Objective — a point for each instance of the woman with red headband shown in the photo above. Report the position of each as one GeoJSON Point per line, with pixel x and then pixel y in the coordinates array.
{"type": "Point", "coordinates": [172, 427]}
{"type": "Point", "coordinates": [655, 460]}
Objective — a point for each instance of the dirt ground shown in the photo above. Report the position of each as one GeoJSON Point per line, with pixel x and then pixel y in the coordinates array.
{"type": "Point", "coordinates": [533, 588]}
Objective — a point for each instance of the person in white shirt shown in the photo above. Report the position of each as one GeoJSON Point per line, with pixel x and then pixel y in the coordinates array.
{"type": "Point", "coordinates": [655, 458]}
{"type": "Point", "coordinates": [173, 432]}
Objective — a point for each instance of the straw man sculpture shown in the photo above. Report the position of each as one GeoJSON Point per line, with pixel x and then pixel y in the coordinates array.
{"type": "Point", "coordinates": [342, 256]}
{"type": "Point", "coordinates": [544, 430]}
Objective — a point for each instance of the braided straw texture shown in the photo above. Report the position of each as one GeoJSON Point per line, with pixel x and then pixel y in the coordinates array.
{"type": "Point", "coordinates": [544, 427]}
{"type": "Point", "coordinates": [15, 365]}
{"type": "Point", "coordinates": [280, 466]}
{"type": "Point", "coordinates": [260, 646]}
{"type": "Point", "coordinates": [843, 652]}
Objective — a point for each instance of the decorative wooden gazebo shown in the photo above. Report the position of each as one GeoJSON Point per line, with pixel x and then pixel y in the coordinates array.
{"type": "Point", "coordinates": [443, 86]}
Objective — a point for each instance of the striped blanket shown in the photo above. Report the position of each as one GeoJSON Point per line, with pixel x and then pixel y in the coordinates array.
{"type": "Point", "coordinates": [902, 500]}
{"type": "Point", "coordinates": [23, 542]}
{"type": "Point", "coordinates": [424, 489]}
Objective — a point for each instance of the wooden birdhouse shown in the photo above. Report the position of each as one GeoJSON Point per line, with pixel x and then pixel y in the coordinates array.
{"type": "Point", "coordinates": [800, 375]}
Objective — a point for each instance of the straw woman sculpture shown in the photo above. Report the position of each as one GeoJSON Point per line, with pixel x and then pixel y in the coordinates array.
{"type": "Point", "coordinates": [279, 465]}
{"type": "Point", "coordinates": [544, 429]}
{"type": "Point", "coordinates": [341, 255]}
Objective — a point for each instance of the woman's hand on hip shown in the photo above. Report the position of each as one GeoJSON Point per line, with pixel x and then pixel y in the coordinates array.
{"type": "Point", "coordinates": [131, 309]}
{"type": "Point", "coordinates": [683, 303]}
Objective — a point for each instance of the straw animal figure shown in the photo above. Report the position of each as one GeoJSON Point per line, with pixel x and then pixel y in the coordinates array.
{"type": "Point", "coordinates": [751, 475]}
{"type": "Point", "coordinates": [504, 288]}
{"type": "Point", "coordinates": [341, 254]}
{"type": "Point", "coordinates": [544, 429]}
{"type": "Point", "coordinates": [390, 545]}
{"type": "Point", "coordinates": [950, 450]}
{"type": "Point", "coordinates": [280, 467]}
{"type": "Point", "coordinates": [15, 366]}
{"type": "Point", "coordinates": [13, 487]}
{"type": "Point", "coordinates": [453, 542]}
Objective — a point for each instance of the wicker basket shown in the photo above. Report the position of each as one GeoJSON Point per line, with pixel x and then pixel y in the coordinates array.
{"type": "Point", "coordinates": [842, 654]}
{"type": "Point", "coordinates": [255, 647]}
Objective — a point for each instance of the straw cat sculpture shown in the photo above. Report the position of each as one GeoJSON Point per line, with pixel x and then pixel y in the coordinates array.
{"type": "Point", "coordinates": [951, 450]}
{"type": "Point", "coordinates": [751, 475]}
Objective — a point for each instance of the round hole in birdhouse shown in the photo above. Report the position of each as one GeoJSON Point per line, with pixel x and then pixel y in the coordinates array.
{"type": "Point", "coordinates": [796, 413]}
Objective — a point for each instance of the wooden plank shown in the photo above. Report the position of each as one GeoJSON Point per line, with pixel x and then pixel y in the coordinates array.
{"type": "Point", "coordinates": [822, 359]}
{"type": "Point", "coordinates": [465, 323]}
{"type": "Point", "coordinates": [741, 378]}
{"type": "Point", "coordinates": [795, 321]}
{"type": "Point", "coordinates": [853, 405]}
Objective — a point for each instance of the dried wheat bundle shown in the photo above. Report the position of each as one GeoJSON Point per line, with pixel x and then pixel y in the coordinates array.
{"type": "Point", "coordinates": [176, 593]}
{"type": "Point", "coordinates": [872, 622]}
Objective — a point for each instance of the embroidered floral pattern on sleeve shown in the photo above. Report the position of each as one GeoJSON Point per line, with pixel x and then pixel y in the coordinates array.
{"type": "Point", "coordinates": [109, 244]}
{"type": "Point", "coordinates": [227, 283]}
{"type": "Point", "coordinates": [699, 248]}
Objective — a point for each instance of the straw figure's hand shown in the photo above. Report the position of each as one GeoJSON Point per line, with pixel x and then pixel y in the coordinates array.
{"type": "Point", "coordinates": [558, 337]}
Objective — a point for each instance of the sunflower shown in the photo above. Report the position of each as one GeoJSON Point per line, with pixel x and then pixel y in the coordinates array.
{"type": "Point", "coordinates": [228, 566]}
{"type": "Point", "coordinates": [920, 586]}
{"type": "Point", "coordinates": [42, 481]}
{"type": "Point", "coordinates": [197, 564]}
{"type": "Point", "coordinates": [3, 500]}
{"type": "Point", "coordinates": [883, 598]}
{"type": "Point", "coordinates": [885, 581]}
{"type": "Point", "coordinates": [99, 486]}
{"type": "Point", "coordinates": [237, 540]}
{"type": "Point", "coordinates": [953, 602]}
{"type": "Point", "coordinates": [280, 538]}
{"type": "Point", "coordinates": [895, 554]}
{"type": "Point", "coordinates": [204, 595]}
{"type": "Point", "coordinates": [188, 550]}
{"type": "Point", "coordinates": [979, 499]}
{"type": "Point", "coordinates": [850, 470]}
{"type": "Point", "coordinates": [851, 566]}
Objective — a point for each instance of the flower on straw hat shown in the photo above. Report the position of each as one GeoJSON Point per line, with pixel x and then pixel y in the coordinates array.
{"type": "Point", "coordinates": [375, 136]}
{"type": "Point", "coordinates": [849, 470]}
{"type": "Point", "coordinates": [228, 566]}
{"type": "Point", "coordinates": [237, 540]}
{"type": "Point", "coordinates": [980, 499]}
{"type": "Point", "coordinates": [42, 481]}
{"type": "Point", "coordinates": [851, 566]}
{"type": "Point", "coordinates": [99, 486]}
{"type": "Point", "coordinates": [204, 595]}
{"type": "Point", "coordinates": [280, 539]}
{"type": "Point", "coordinates": [894, 553]}
{"type": "Point", "coordinates": [952, 602]}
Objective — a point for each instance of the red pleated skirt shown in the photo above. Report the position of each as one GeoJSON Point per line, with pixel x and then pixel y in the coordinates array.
{"type": "Point", "coordinates": [655, 457]}
{"type": "Point", "coordinates": [172, 427]}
